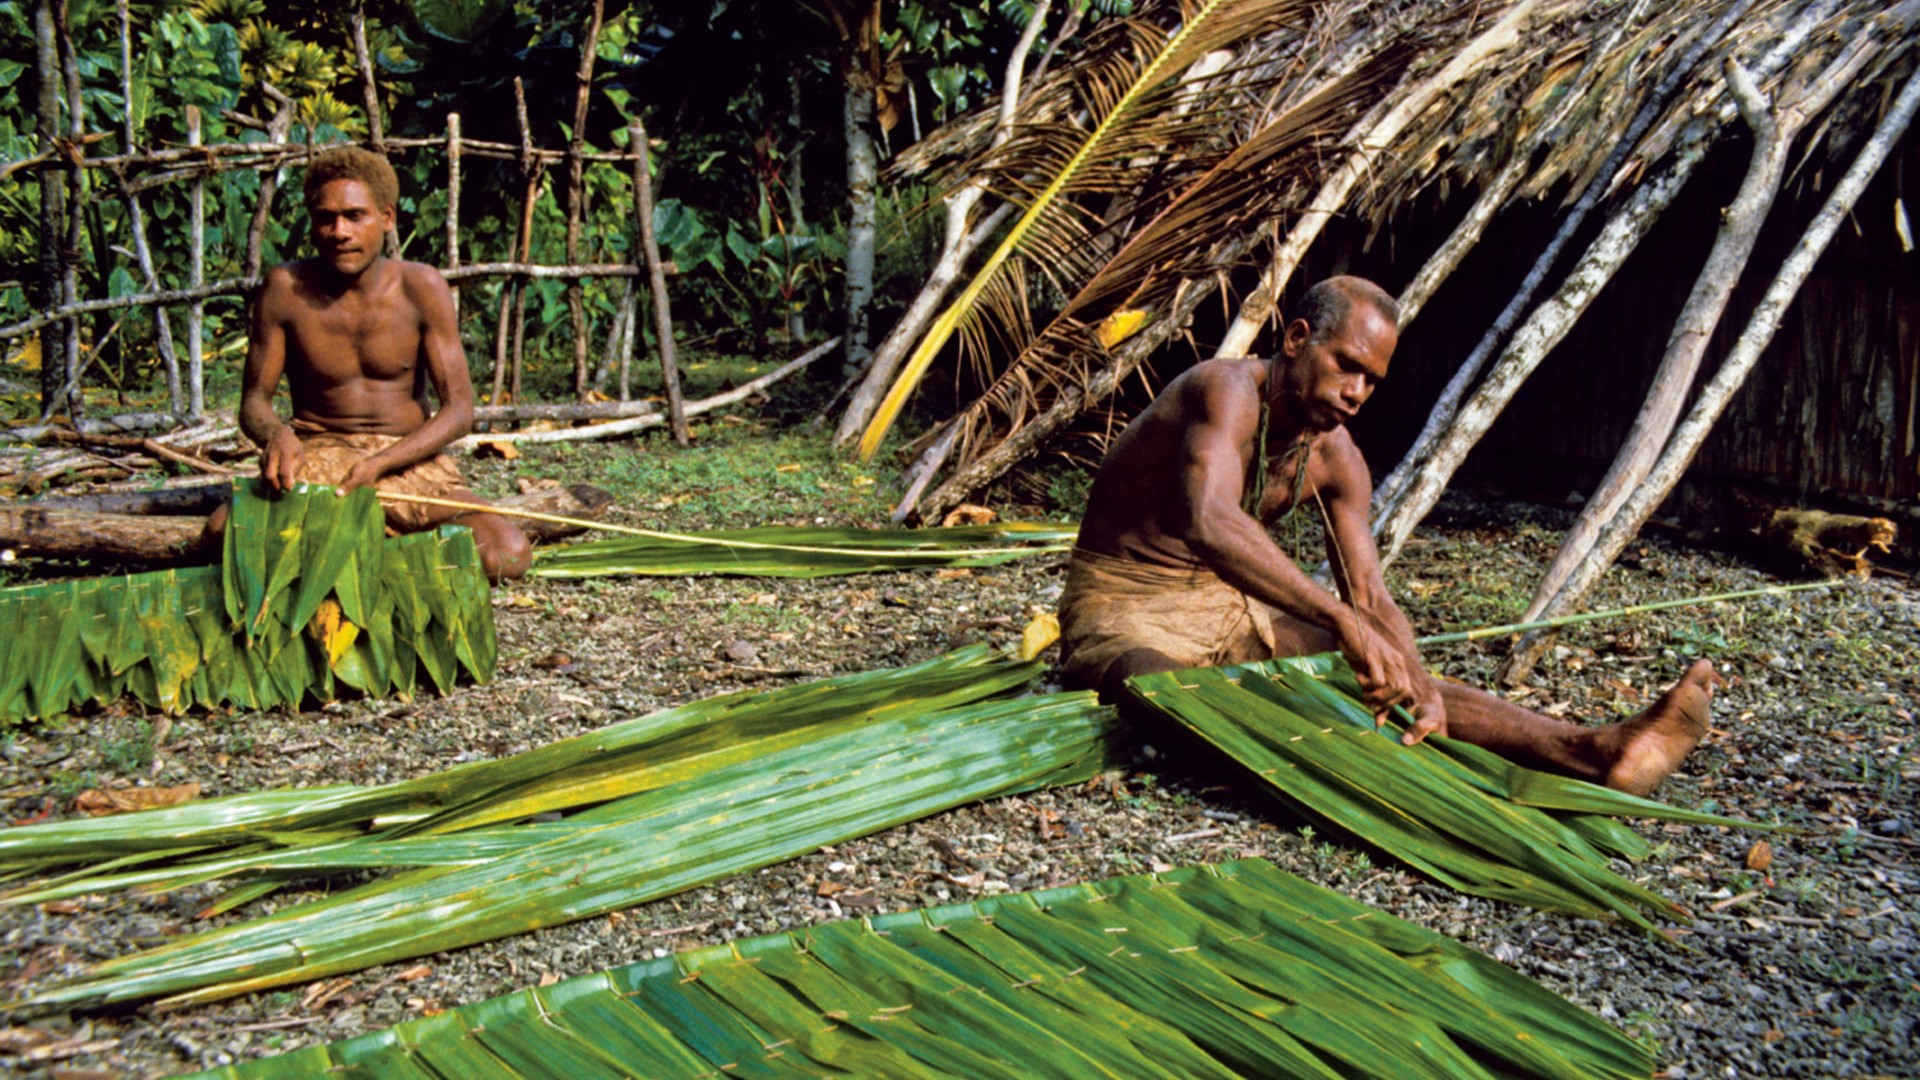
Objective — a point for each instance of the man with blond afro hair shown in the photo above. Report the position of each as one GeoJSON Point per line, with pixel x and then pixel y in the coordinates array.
{"type": "Point", "coordinates": [360, 338]}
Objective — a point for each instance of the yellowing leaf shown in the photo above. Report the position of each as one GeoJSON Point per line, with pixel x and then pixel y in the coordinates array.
{"type": "Point", "coordinates": [98, 802]}
{"type": "Point", "coordinates": [1120, 326]}
{"type": "Point", "coordinates": [332, 630]}
{"type": "Point", "coordinates": [1042, 632]}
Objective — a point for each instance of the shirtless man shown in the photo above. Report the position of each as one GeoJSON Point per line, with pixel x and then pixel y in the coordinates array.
{"type": "Point", "coordinates": [1175, 568]}
{"type": "Point", "coordinates": [359, 337]}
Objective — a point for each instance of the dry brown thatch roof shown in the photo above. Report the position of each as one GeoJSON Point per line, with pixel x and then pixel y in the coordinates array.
{"type": "Point", "coordinates": [1552, 109]}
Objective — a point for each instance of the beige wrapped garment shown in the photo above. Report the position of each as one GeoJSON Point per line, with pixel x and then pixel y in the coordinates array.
{"type": "Point", "coordinates": [327, 457]}
{"type": "Point", "coordinates": [1111, 607]}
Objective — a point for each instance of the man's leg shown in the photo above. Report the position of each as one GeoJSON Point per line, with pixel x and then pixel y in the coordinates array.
{"type": "Point", "coordinates": [212, 542]}
{"type": "Point", "coordinates": [1632, 755]}
{"type": "Point", "coordinates": [1113, 684]}
{"type": "Point", "coordinates": [505, 551]}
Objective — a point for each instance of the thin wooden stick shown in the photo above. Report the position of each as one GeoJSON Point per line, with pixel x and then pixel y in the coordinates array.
{"type": "Point", "coordinates": [683, 538]}
{"type": "Point", "coordinates": [1613, 613]}
{"type": "Point", "coordinates": [656, 281]}
{"type": "Point", "coordinates": [196, 276]}
{"type": "Point", "coordinates": [161, 450]}
{"type": "Point", "coordinates": [453, 204]}
{"type": "Point", "coordinates": [577, 198]}
{"type": "Point", "coordinates": [369, 90]}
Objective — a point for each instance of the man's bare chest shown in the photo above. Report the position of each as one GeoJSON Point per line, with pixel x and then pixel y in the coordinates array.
{"type": "Point", "coordinates": [357, 340]}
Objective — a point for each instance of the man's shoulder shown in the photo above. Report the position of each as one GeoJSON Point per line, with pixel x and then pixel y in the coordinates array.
{"type": "Point", "coordinates": [418, 273]}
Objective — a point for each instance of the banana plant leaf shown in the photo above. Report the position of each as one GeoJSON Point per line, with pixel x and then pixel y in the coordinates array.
{"type": "Point", "coordinates": [739, 807]}
{"type": "Point", "coordinates": [1466, 817]}
{"type": "Point", "coordinates": [309, 595]}
{"type": "Point", "coordinates": [1224, 971]}
{"type": "Point", "coordinates": [802, 552]}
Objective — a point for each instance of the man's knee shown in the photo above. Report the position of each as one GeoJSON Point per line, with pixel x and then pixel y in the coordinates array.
{"type": "Point", "coordinates": [1142, 661]}
{"type": "Point", "coordinates": [505, 551]}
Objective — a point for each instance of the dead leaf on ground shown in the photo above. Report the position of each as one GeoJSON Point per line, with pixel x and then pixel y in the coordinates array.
{"type": "Point", "coordinates": [952, 573]}
{"type": "Point", "coordinates": [968, 514]}
{"type": "Point", "coordinates": [70, 1048]}
{"type": "Point", "coordinates": [1760, 856]}
{"type": "Point", "coordinates": [526, 484]}
{"type": "Point", "coordinates": [496, 448]}
{"type": "Point", "coordinates": [322, 992]}
{"type": "Point", "coordinates": [16, 1039]}
{"type": "Point", "coordinates": [1050, 827]}
{"type": "Point", "coordinates": [99, 803]}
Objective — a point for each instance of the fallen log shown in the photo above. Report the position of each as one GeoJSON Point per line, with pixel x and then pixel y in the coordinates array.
{"type": "Point", "coordinates": [170, 538]}
{"type": "Point", "coordinates": [197, 499]}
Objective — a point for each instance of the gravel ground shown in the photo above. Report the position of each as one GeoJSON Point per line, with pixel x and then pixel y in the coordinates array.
{"type": "Point", "coordinates": [1806, 967]}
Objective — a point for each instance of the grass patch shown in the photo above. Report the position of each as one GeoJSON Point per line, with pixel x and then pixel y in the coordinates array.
{"type": "Point", "coordinates": [737, 473]}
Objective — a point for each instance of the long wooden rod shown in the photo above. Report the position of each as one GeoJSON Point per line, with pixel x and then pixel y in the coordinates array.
{"type": "Point", "coordinates": [1614, 613]}
{"type": "Point", "coordinates": [684, 538]}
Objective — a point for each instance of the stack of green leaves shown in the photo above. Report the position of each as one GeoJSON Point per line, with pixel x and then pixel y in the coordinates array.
{"type": "Point", "coordinates": [309, 597]}
{"type": "Point", "coordinates": [649, 808]}
{"type": "Point", "coordinates": [803, 551]}
{"type": "Point", "coordinates": [1227, 971]}
{"type": "Point", "coordinates": [1465, 816]}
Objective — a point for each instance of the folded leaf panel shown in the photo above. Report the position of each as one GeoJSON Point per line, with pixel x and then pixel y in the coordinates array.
{"type": "Point", "coordinates": [1173, 974]}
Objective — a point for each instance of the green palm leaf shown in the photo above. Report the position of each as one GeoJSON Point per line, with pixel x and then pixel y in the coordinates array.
{"type": "Point", "coordinates": [1048, 223]}
{"type": "Point", "coordinates": [215, 827]}
{"type": "Point", "coordinates": [1215, 972]}
{"type": "Point", "coordinates": [1465, 817]}
{"type": "Point", "coordinates": [750, 805]}
{"type": "Point", "coordinates": [802, 552]}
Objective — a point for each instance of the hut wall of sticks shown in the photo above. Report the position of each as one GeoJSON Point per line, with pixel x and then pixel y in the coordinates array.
{"type": "Point", "coordinates": [1831, 409]}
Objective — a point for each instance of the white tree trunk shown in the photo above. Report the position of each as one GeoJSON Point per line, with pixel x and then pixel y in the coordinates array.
{"type": "Point", "coordinates": [1399, 510]}
{"type": "Point", "coordinates": [863, 165]}
{"type": "Point", "coordinates": [1444, 410]}
{"type": "Point", "coordinates": [958, 243]}
{"type": "Point", "coordinates": [1686, 349]}
{"type": "Point", "coordinates": [1733, 372]}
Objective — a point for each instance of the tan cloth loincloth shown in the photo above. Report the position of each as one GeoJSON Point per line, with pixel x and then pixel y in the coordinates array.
{"type": "Point", "coordinates": [327, 457]}
{"type": "Point", "coordinates": [1111, 607]}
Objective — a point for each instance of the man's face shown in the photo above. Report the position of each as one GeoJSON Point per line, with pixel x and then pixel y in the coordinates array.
{"type": "Point", "coordinates": [349, 230]}
{"type": "Point", "coordinates": [1328, 381]}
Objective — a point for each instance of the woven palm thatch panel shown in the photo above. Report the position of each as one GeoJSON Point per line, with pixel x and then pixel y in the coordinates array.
{"type": "Point", "coordinates": [1230, 971]}
{"type": "Point", "coordinates": [1467, 817]}
{"type": "Point", "coordinates": [309, 597]}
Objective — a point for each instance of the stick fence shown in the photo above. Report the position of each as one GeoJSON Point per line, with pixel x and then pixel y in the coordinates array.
{"type": "Point", "coordinates": [135, 171]}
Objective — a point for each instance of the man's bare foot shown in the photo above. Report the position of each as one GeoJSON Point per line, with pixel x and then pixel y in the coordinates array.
{"type": "Point", "coordinates": [1652, 744]}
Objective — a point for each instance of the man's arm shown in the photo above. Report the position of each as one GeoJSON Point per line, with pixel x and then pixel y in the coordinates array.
{"type": "Point", "coordinates": [1356, 568]}
{"type": "Point", "coordinates": [445, 360]}
{"type": "Point", "coordinates": [280, 456]}
{"type": "Point", "coordinates": [1223, 416]}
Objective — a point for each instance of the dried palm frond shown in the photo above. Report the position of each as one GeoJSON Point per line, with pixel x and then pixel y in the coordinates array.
{"type": "Point", "coordinates": [651, 807]}
{"type": "Point", "coordinates": [309, 598]}
{"type": "Point", "coordinates": [1213, 971]}
{"type": "Point", "coordinates": [1467, 817]}
{"type": "Point", "coordinates": [1159, 259]}
{"type": "Point", "coordinates": [1131, 129]}
{"type": "Point", "coordinates": [803, 551]}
